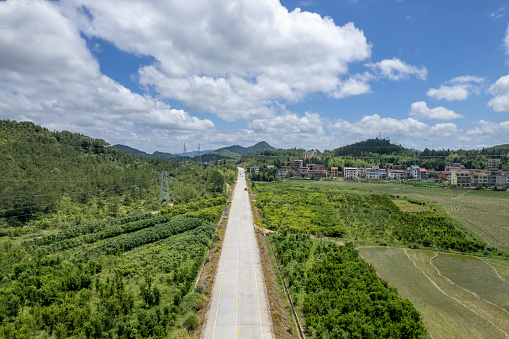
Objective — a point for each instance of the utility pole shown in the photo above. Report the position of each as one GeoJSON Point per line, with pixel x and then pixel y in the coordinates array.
{"type": "Point", "coordinates": [164, 192]}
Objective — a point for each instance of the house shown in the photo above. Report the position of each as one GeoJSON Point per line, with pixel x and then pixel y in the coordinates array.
{"type": "Point", "coordinates": [444, 175]}
{"type": "Point", "coordinates": [298, 163]}
{"type": "Point", "coordinates": [361, 172]}
{"type": "Point", "coordinates": [334, 172]}
{"type": "Point", "coordinates": [502, 179]}
{"type": "Point", "coordinates": [424, 173]}
{"type": "Point", "coordinates": [310, 154]}
{"type": "Point", "coordinates": [311, 167]}
{"type": "Point", "coordinates": [372, 173]}
{"type": "Point", "coordinates": [350, 172]}
{"type": "Point", "coordinates": [479, 179]}
{"type": "Point", "coordinates": [492, 179]}
{"type": "Point", "coordinates": [382, 172]}
{"type": "Point", "coordinates": [271, 166]}
{"type": "Point", "coordinates": [396, 174]}
{"type": "Point", "coordinates": [461, 178]}
{"type": "Point", "coordinates": [254, 169]}
{"type": "Point", "coordinates": [303, 170]}
{"type": "Point", "coordinates": [455, 166]}
{"type": "Point", "coordinates": [317, 173]}
{"type": "Point", "coordinates": [282, 172]}
{"type": "Point", "coordinates": [414, 172]}
{"type": "Point", "coordinates": [493, 163]}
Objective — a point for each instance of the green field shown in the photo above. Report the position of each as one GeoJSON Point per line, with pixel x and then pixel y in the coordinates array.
{"type": "Point", "coordinates": [485, 213]}
{"type": "Point", "coordinates": [476, 276]}
{"type": "Point", "coordinates": [448, 308]}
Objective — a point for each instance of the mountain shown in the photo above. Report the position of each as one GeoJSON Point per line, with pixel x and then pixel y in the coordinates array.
{"type": "Point", "coordinates": [155, 155]}
{"type": "Point", "coordinates": [237, 151]}
{"type": "Point", "coordinates": [195, 153]}
{"type": "Point", "coordinates": [377, 146]}
{"type": "Point", "coordinates": [167, 156]}
{"type": "Point", "coordinates": [128, 149]}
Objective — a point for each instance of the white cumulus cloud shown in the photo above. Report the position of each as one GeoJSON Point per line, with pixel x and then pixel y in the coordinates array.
{"type": "Point", "coordinates": [50, 77]}
{"type": "Point", "coordinates": [395, 69]}
{"type": "Point", "coordinates": [234, 59]}
{"type": "Point", "coordinates": [458, 88]}
{"type": "Point", "coordinates": [372, 124]}
{"type": "Point", "coordinates": [420, 109]}
{"type": "Point", "coordinates": [500, 91]}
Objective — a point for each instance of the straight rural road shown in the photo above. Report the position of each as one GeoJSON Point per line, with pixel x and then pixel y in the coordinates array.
{"type": "Point", "coordinates": [239, 307]}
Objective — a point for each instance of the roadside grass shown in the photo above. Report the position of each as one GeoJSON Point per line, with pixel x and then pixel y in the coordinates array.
{"type": "Point", "coordinates": [476, 276]}
{"type": "Point", "coordinates": [448, 311]}
{"type": "Point", "coordinates": [483, 212]}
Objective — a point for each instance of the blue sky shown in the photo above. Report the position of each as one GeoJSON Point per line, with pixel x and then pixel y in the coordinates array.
{"type": "Point", "coordinates": [314, 74]}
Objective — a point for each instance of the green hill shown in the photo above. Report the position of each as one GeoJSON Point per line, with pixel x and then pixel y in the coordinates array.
{"type": "Point", "coordinates": [237, 151]}
{"type": "Point", "coordinates": [369, 146]}
{"type": "Point", "coordinates": [504, 148]}
{"type": "Point", "coordinates": [155, 155]}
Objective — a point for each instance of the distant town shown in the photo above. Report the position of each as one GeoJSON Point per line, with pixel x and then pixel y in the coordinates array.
{"type": "Point", "coordinates": [455, 173]}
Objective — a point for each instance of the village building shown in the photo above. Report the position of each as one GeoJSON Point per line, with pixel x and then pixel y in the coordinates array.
{"type": "Point", "coordinates": [396, 174]}
{"type": "Point", "coordinates": [479, 179]}
{"type": "Point", "coordinates": [310, 154]}
{"type": "Point", "coordinates": [350, 172]}
{"type": "Point", "coordinates": [334, 172]}
{"type": "Point", "coordinates": [461, 178]}
{"type": "Point", "coordinates": [494, 163]}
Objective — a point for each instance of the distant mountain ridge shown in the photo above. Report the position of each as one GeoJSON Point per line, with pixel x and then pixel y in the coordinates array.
{"type": "Point", "coordinates": [229, 152]}
{"type": "Point", "coordinates": [237, 151]}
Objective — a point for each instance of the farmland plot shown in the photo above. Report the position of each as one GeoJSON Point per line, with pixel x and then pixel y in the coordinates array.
{"type": "Point", "coordinates": [448, 310]}
{"type": "Point", "coordinates": [483, 212]}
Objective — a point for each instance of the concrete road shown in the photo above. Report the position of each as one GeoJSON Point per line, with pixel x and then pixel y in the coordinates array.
{"type": "Point", "coordinates": [239, 307]}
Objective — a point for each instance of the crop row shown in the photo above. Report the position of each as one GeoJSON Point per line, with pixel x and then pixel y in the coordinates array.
{"type": "Point", "coordinates": [149, 235]}
{"type": "Point", "coordinates": [76, 231]}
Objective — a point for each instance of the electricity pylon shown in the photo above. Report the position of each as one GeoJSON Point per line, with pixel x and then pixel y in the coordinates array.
{"type": "Point", "coordinates": [164, 192]}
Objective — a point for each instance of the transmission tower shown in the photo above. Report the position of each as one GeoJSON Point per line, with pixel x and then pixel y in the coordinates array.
{"type": "Point", "coordinates": [164, 193]}
{"type": "Point", "coordinates": [199, 156]}
{"type": "Point", "coordinates": [185, 154]}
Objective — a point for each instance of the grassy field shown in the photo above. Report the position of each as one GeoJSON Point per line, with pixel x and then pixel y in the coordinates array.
{"type": "Point", "coordinates": [448, 309]}
{"type": "Point", "coordinates": [485, 213]}
{"type": "Point", "coordinates": [474, 275]}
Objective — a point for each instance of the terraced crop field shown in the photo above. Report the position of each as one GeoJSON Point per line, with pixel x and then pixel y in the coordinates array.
{"type": "Point", "coordinates": [460, 300]}
{"type": "Point", "coordinates": [485, 213]}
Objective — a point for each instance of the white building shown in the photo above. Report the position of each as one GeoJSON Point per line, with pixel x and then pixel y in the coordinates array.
{"type": "Point", "coordinates": [396, 174]}
{"type": "Point", "coordinates": [350, 172]}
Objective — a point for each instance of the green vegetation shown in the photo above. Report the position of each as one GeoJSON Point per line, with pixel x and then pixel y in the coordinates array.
{"type": "Point", "coordinates": [370, 146]}
{"type": "Point", "coordinates": [83, 250]}
{"type": "Point", "coordinates": [380, 152]}
{"type": "Point", "coordinates": [481, 213]}
{"type": "Point", "coordinates": [340, 294]}
{"type": "Point", "coordinates": [474, 275]}
{"type": "Point", "coordinates": [368, 218]}
{"type": "Point", "coordinates": [447, 309]}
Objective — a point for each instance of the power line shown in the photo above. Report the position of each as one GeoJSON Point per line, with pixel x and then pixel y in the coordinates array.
{"type": "Point", "coordinates": [48, 211]}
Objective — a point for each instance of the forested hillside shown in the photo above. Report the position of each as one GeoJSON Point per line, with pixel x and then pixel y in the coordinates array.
{"type": "Point", "coordinates": [370, 146]}
{"type": "Point", "coordinates": [76, 178]}
{"type": "Point", "coordinates": [86, 248]}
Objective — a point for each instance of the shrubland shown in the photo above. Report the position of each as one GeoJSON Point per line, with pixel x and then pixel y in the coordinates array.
{"type": "Point", "coordinates": [86, 248]}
